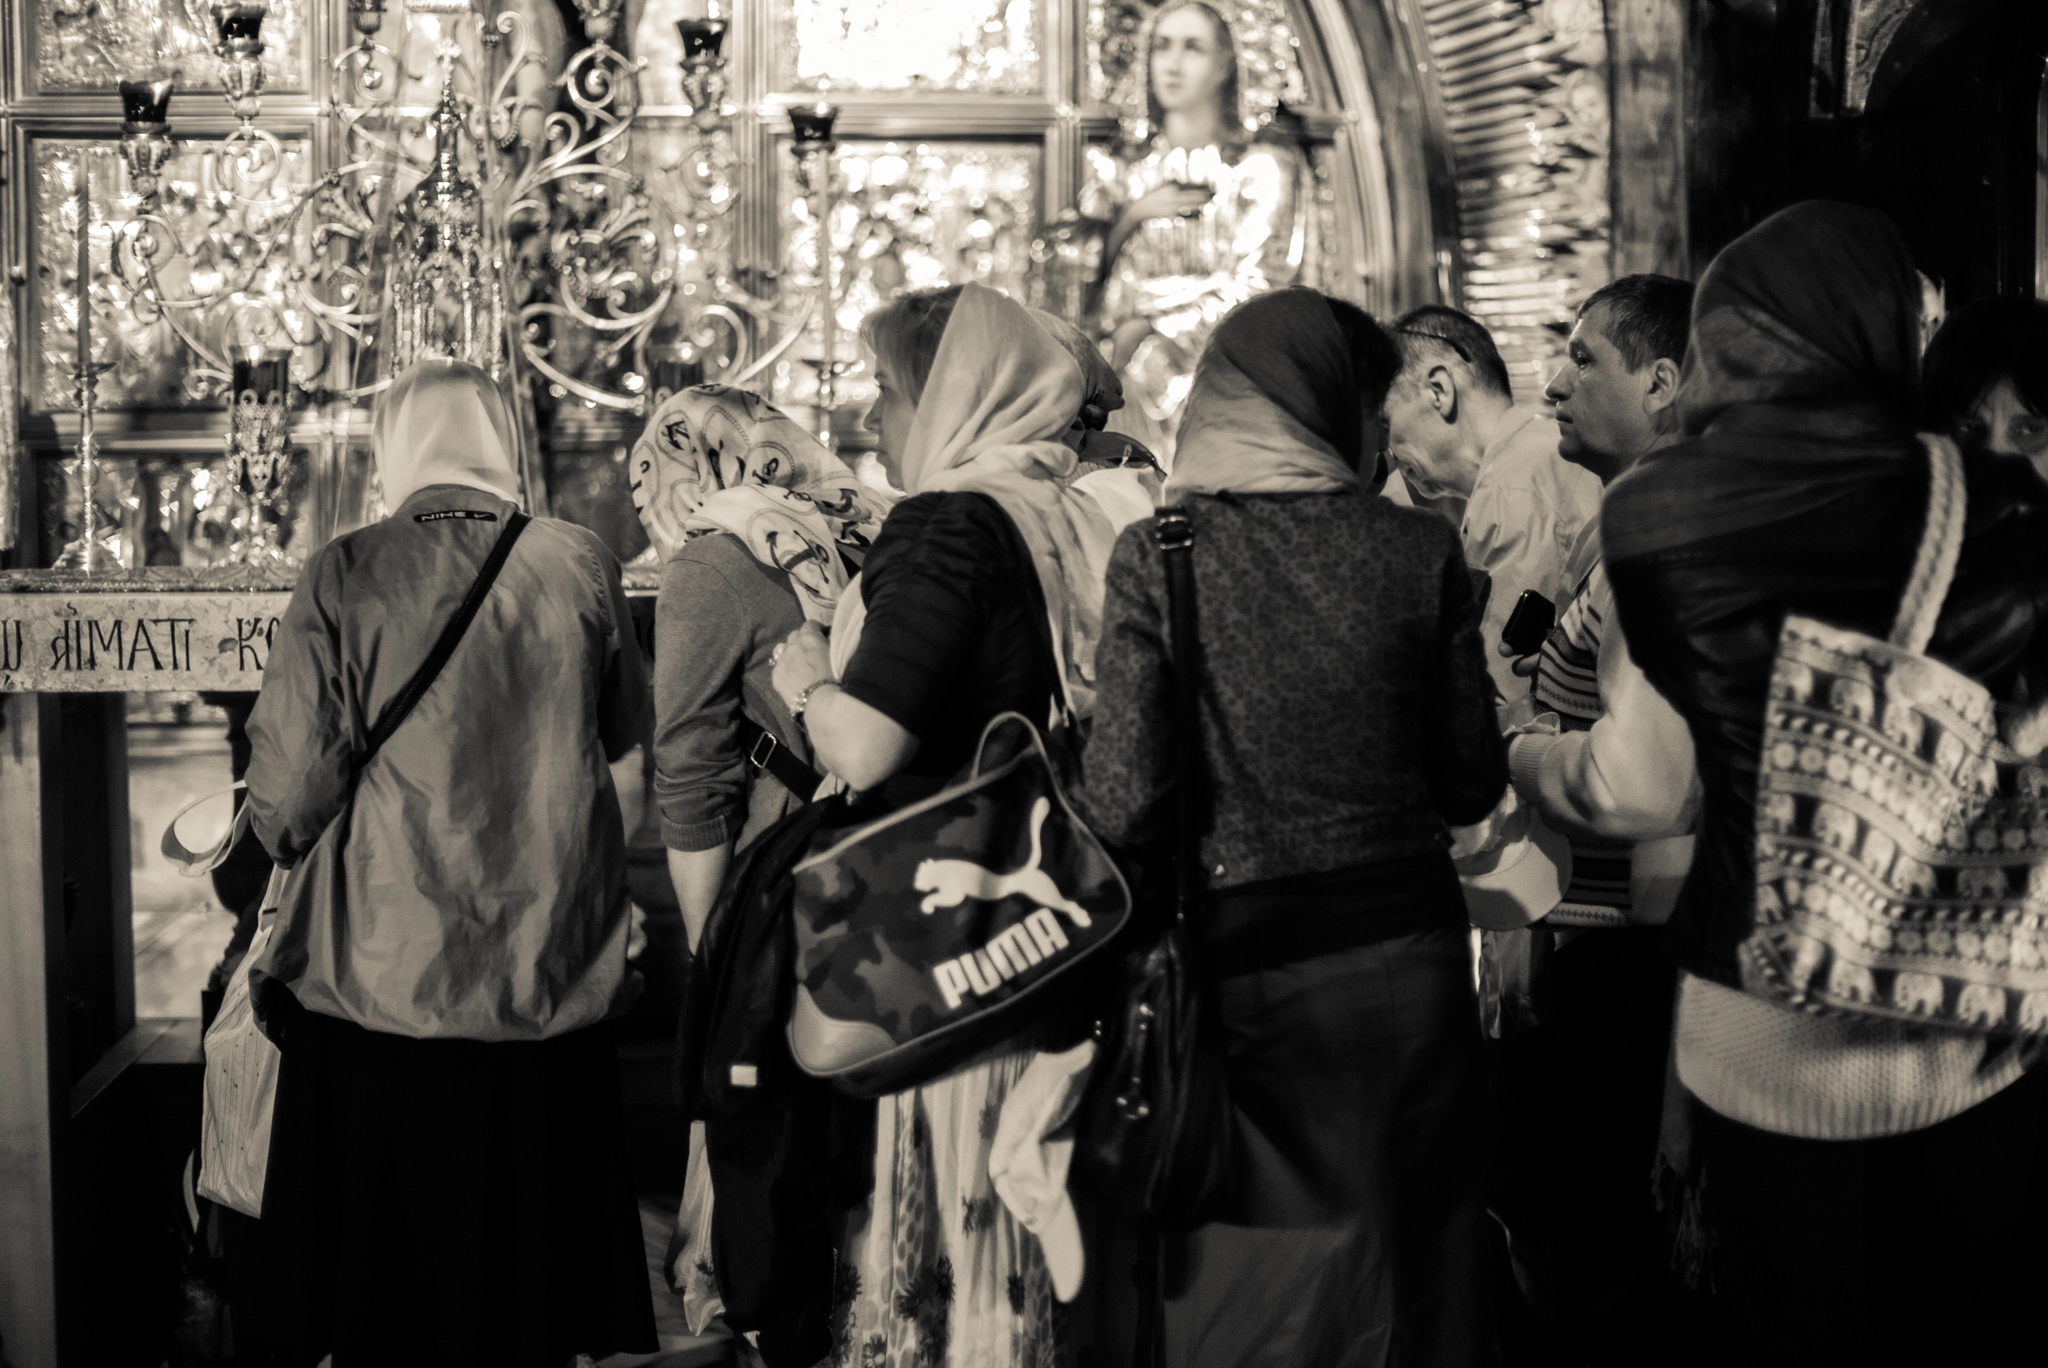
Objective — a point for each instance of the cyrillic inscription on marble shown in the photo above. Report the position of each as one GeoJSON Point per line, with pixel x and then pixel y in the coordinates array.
{"type": "Point", "coordinates": [106, 643]}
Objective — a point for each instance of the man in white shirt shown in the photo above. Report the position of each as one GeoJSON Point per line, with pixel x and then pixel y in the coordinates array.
{"type": "Point", "coordinates": [1615, 774]}
{"type": "Point", "coordinates": [1465, 449]}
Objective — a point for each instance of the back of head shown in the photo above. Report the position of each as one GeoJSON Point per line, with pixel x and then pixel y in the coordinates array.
{"type": "Point", "coordinates": [1437, 334]}
{"type": "Point", "coordinates": [1649, 317]}
{"type": "Point", "coordinates": [1979, 345]}
{"type": "Point", "coordinates": [443, 421]}
{"type": "Point", "coordinates": [1798, 390]}
{"type": "Point", "coordinates": [1815, 308]}
{"type": "Point", "coordinates": [905, 333]}
{"type": "Point", "coordinates": [1296, 358]}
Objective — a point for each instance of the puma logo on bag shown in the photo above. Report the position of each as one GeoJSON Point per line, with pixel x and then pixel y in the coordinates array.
{"type": "Point", "coordinates": [948, 883]}
{"type": "Point", "coordinates": [951, 882]}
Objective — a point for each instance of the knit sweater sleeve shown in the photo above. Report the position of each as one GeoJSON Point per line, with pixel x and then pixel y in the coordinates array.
{"type": "Point", "coordinates": [1128, 764]}
{"type": "Point", "coordinates": [1631, 777]}
{"type": "Point", "coordinates": [1471, 770]}
{"type": "Point", "coordinates": [703, 636]}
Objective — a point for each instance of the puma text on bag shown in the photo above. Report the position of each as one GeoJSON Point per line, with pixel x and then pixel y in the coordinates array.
{"type": "Point", "coordinates": [1902, 825]}
{"type": "Point", "coordinates": [936, 932]}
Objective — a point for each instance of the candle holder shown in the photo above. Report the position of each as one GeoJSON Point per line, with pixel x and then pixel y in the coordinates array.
{"type": "Point", "coordinates": [812, 144]}
{"type": "Point", "coordinates": [810, 127]}
{"type": "Point", "coordinates": [259, 455]}
{"type": "Point", "coordinates": [366, 15]}
{"type": "Point", "coordinates": [146, 134]}
{"type": "Point", "coordinates": [94, 546]}
{"type": "Point", "coordinates": [240, 49]}
{"type": "Point", "coordinates": [704, 73]}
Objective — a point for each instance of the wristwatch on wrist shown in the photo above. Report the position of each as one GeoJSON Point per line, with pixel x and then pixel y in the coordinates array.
{"type": "Point", "coordinates": [803, 700]}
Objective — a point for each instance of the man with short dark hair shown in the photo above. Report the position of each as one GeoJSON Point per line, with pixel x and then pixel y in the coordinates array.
{"type": "Point", "coordinates": [1609, 763]}
{"type": "Point", "coordinates": [1466, 450]}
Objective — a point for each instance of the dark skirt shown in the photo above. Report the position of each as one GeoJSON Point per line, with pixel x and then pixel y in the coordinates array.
{"type": "Point", "coordinates": [1357, 1083]}
{"type": "Point", "coordinates": [450, 1202]}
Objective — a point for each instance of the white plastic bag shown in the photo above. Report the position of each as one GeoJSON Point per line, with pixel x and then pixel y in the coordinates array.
{"type": "Point", "coordinates": [690, 1271]}
{"type": "Point", "coordinates": [240, 1085]}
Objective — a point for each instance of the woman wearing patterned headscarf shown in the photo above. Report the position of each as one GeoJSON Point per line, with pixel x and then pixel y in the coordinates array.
{"type": "Point", "coordinates": [760, 528]}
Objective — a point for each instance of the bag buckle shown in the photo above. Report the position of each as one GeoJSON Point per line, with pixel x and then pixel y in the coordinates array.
{"type": "Point", "coordinates": [759, 757]}
{"type": "Point", "coordinates": [1173, 530]}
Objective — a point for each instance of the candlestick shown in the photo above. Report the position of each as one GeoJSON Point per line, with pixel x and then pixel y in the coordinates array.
{"type": "Point", "coordinates": [240, 49]}
{"type": "Point", "coordinates": [92, 545]}
{"type": "Point", "coordinates": [146, 134]}
{"type": "Point", "coordinates": [258, 455]}
{"type": "Point", "coordinates": [812, 145]}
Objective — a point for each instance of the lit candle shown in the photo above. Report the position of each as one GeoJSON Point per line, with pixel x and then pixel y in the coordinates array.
{"type": "Point", "coordinates": [84, 273]}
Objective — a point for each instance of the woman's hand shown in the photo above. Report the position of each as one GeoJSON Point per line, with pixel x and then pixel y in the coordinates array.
{"type": "Point", "coordinates": [1169, 201]}
{"type": "Point", "coordinates": [803, 659]}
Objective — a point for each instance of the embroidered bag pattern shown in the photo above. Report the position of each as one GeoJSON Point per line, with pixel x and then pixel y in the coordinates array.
{"type": "Point", "coordinates": [1902, 823]}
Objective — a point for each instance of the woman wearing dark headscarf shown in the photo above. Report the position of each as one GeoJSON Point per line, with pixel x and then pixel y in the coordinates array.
{"type": "Point", "coordinates": [1868, 1182]}
{"type": "Point", "coordinates": [1345, 721]}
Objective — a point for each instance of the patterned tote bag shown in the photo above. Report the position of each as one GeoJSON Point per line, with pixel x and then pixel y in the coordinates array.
{"type": "Point", "coordinates": [1902, 820]}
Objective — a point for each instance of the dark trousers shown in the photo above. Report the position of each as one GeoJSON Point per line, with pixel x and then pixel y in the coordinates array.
{"type": "Point", "coordinates": [1357, 1084]}
{"type": "Point", "coordinates": [1577, 1100]}
{"type": "Point", "coordinates": [1921, 1248]}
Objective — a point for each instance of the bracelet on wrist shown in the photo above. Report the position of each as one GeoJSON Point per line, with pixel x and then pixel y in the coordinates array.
{"type": "Point", "coordinates": [803, 700]}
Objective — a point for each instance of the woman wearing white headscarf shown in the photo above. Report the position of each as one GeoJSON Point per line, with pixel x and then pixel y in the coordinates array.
{"type": "Point", "coordinates": [974, 395]}
{"type": "Point", "coordinates": [447, 1181]}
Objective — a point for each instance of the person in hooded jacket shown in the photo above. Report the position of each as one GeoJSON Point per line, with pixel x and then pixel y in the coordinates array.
{"type": "Point", "coordinates": [448, 1180]}
{"type": "Point", "coordinates": [1870, 1186]}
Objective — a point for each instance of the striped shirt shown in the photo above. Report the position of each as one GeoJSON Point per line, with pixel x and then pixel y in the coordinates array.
{"type": "Point", "coordinates": [1568, 682]}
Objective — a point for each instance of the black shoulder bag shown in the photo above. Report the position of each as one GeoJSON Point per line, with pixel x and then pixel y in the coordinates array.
{"type": "Point", "coordinates": [1155, 1131]}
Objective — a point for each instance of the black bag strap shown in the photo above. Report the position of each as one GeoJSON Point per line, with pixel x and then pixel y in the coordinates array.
{"type": "Point", "coordinates": [1175, 533]}
{"type": "Point", "coordinates": [398, 709]}
{"type": "Point", "coordinates": [765, 751]}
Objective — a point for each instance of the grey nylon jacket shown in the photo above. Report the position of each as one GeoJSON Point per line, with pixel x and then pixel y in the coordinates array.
{"type": "Point", "coordinates": [475, 886]}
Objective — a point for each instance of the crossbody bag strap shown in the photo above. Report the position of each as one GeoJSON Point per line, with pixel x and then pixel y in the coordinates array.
{"type": "Point", "coordinates": [1941, 545]}
{"type": "Point", "coordinates": [1175, 533]}
{"type": "Point", "coordinates": [765, 751]}
{"type": "Point", "coordinates": [398, 709]}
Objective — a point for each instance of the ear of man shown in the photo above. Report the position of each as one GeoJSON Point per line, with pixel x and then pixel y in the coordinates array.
{"type": "Point", "coordinates": [1443, 392]}
{"type": "Point", "coordinates": [1660, 395]}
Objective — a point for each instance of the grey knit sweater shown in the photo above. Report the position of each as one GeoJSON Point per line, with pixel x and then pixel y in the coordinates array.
{"type": "Point", "coordinates": [1346, 714]}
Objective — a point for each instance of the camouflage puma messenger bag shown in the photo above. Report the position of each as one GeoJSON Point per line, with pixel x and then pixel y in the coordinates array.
{"type": "Point", "coordinates": [931, 935]}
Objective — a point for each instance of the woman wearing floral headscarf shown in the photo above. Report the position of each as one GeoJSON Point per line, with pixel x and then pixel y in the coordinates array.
{"type": "Point", "coordinates": [760, 528]}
